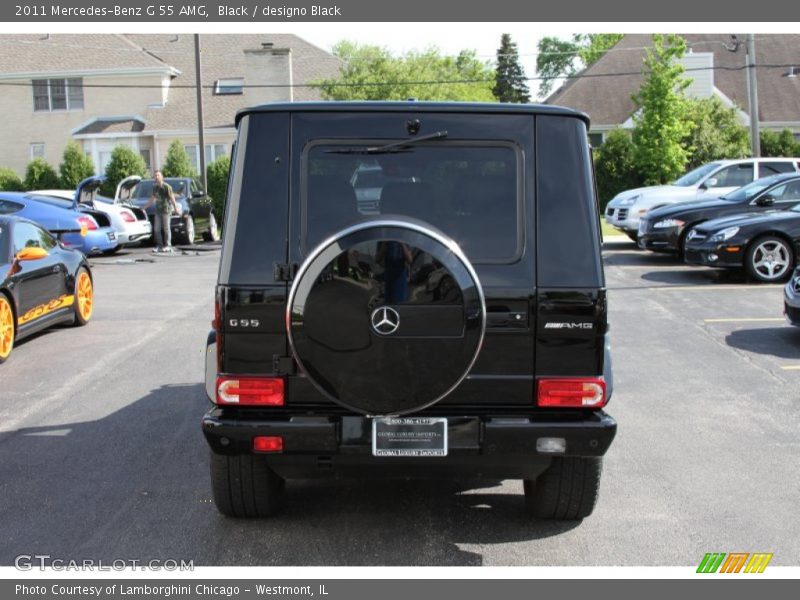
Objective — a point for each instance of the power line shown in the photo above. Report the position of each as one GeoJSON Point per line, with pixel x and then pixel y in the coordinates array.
{"type": "Point", "coordinates": [413, 82]}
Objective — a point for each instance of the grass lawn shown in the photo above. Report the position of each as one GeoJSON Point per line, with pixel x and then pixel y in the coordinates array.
{"type": "Point", "coordinates": [608, 229]}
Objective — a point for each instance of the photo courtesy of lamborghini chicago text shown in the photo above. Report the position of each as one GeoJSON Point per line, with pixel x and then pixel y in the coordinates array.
{"type": "Point", "coordinates": [418, 299]}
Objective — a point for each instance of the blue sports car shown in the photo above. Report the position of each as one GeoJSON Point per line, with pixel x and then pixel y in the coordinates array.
{"type": "Point", "coordinates": [85, 230]}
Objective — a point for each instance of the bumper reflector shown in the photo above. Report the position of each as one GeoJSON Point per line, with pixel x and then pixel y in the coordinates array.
{"type": "Point", "coordinates": [250, 391]}
{"type": "Point", "coordinates": [268, 443]}
{"type": "Point", "coordinates": [589, 392]}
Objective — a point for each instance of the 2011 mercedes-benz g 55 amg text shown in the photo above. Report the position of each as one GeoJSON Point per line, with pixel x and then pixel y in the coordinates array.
{"type": "Point", "coordinates": [453, 325]}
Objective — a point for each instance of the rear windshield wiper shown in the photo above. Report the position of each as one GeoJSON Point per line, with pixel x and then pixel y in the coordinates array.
{"type": "Point", "coordinates": [393, 147]}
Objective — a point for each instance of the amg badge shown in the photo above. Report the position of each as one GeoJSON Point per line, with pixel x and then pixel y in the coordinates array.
{"type": "Point", "coordinates": [554, 325]}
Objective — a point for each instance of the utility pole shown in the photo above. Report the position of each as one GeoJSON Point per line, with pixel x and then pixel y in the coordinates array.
{"type": "Point", "coordinates": [200, 124]}
{"type": "Point", "coordinates": [752, 88]}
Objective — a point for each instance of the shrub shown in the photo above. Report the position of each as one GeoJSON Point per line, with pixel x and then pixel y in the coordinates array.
{"type": "Point", "coordinates": [779, 144]}
{"type": "Point", "coordinates": [716, 133]}
{"type": "Point", "coordinates": [177, 163]}
{"type": "Point", "coordinates": [10, 181]}
{"type": "Point", "coordinates": [217, 175]}
{"type": "Point", "coordinates": [615, 166]}
{"type": "Point", "coordinates": [75, 166]}
{"type": "Point", "coordinates": [40, 175]}
{"type": "Point", "coordinates": [124, 162]}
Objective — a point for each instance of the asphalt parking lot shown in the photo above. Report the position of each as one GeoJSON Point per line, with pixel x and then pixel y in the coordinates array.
{"type": "Point", "coordinates": [101, 454]}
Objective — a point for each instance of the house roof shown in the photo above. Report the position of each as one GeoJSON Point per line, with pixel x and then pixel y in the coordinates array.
{"type": "Point", "coordinates": [607, 99]}
{"type": "Point", "coordinates": [78, 53]}
{"type": "Point", "coordinates": [223, 57]}
{"type": "Point", "coordinates": [111, 126]}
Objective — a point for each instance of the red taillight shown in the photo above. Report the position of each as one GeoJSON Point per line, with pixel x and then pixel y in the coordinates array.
{"type": "Point", "coordinates": [250, 391]}
{"type": "Point", "coordinates": [268, 443]}
{"type": "Point", "coordinates": [88, 223]}
{"type": "Point", "coordinates": [588, 392]}
{"type": "Point", "coordinates": [127, 216]}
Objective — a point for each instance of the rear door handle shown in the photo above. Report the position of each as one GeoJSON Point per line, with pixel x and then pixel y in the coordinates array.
{"type": "Point", "coordinates": [507, 320]}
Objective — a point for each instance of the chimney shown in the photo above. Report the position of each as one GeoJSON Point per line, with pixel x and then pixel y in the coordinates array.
{"type": "Point", "coordinates": [270, 67]}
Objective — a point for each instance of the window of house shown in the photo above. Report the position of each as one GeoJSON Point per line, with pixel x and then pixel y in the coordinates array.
{"type": "Point", "coordinates": [57, 94]}
{"type": "Point", "coordinates": [145, 154]}
{"type": "Point", "coordinates": [229, 86]}
{"type": "Point", "coordinates": [212, 152]}
{"type": "Point", "coordinates": [595, 140]}
{"type": "Point", "coordinates": [37, 150]}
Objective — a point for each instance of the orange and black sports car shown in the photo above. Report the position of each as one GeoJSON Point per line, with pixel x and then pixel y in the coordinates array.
{"type": "Point", "coordinates": [42, 283]}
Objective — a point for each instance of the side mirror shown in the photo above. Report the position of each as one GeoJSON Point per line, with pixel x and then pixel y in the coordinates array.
{"type": "Point", "coordinates": [766, 200]}
{"type": "Point", "coordinates": [198, 194]}
{"type": "Point", "coordinates": [709, 183]}
{"type": "Point", "coordinates": [31, 254]}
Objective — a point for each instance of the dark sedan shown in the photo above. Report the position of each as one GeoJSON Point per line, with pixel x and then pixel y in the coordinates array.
{"type": "Point", "coordinates": [791, 299]}
{"type": "Point", "coordinates": [765, 245]}
{"type": "Point", "coordinates": [665, 229]}
{"type": "Point", "coordinates": [42, 283]}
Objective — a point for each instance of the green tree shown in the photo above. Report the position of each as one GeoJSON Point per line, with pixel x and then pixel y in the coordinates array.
{"type": "Point", "coordinates": [715, 132]}
{"type": "Point", "coordinates": [660, 120]}
{"type": "Point", "coordinates": [10, 181]}
{"type": "Point", "coordinates": [779, 144]}
{"type": "Point", "coordinates": [40, 175]}
{"type": "Point", "coordinates": [125, 161]}
{"type": "Point", "coordinates": [615, 167]}
{"type": "Point", "coordinates": [217, 176]}
{"type": "Point", "coordinates": [75, 166]}
{"type": "Point", "coordinates": [373, 73]}
{"type": "Point", "coordinates": [557, 58]}
{"type": "Point", "coordinates": [510, 83]}
{"type": "Point", "coordinates": [177, 163]}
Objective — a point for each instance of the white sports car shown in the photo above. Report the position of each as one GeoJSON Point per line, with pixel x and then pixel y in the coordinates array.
{"type": "Point", "coordinates": [130, 222]}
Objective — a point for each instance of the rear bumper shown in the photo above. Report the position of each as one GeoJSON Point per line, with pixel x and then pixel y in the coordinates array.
{"type": "Point", "coordinates": [478, 446]}
{"type": "Point", "coordinates": [141, 230]}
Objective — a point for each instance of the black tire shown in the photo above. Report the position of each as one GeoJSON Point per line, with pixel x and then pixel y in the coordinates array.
{"type": "Point", "coordinates": [756, 250]}
{"type": "Point", "coordinates": [567, 490]}
{"type": "Point", "coordinates": [245, 487]}
{"type": "Point", "coordinates": [634, 236]}
{"type": "Point", "coordinates": [212, 233]}
{"type": "Point", "coordinates": [186, 237]}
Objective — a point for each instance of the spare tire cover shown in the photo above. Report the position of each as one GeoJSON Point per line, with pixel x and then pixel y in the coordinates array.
{"type": "Point", "coordinates": [386, 317]}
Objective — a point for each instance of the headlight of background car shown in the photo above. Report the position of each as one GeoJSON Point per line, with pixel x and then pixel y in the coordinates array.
{"type": "Point", "coordinates": [724, 234]}
{"type": "Point", "coordinates": [668, 223]}
{"type": "Point", "coordinates": [630, 201]}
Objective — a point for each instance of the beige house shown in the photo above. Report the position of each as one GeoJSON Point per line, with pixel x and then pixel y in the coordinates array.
{"type": "Point", "coordinates": [715, 65]}
{"type": "Point", "coordinates": [138, 90]}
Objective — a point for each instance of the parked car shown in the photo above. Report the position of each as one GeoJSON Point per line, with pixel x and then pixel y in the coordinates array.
{"type": "Point", "coordinates": [130, 222]}
{"type": "Point", "coordinates": [707, 182]}
{"type": "Point", "coordinates": [791, 299]}
{"type": "Point", "coordinates": [42, 283]}
{"type": "Point", "coordinates": [764, 244]}
{"type": "Point", "coordinates": [432, 339]}
{"type": "Point", "coordinates": [664, 229]}
{"type": "Point", "coordinates": [195, 207]}
{"type": "Point", "coordinates": [89, 231]}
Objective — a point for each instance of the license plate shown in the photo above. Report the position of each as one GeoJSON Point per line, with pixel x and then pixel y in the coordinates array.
{"type": "Point", "coordinates": [409, 436]}
{"type": "Point", "coordinates": [112, 236]}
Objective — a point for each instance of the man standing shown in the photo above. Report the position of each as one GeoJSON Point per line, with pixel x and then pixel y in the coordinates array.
{"type": "Point", "coordinates": [165, 204]}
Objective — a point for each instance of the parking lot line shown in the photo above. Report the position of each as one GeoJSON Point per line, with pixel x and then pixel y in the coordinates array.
{"type": "Point", "coordinates": [791, 368]}
{"type": "Point", "coordinates": [745, 319]}
{"type": "Point", "coordinates": [718, 286]}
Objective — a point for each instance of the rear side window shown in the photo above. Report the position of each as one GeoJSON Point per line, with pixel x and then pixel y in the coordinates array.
{"type": "Point", "coordinates": [27, 235]}
{"type": "Point", "coordinates": [734, 176]}
{"type": "Point", "coordinates": [470, 191]}
{"type": "Point", "coordinates": [765, 169]}
{"type": "Point", "coordinates": [7, 207]}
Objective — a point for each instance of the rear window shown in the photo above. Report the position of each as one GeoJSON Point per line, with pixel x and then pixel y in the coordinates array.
{"type": "Point", "coordinates": [470, 191]}
{"type": "Point", "coordinates": [144, 189]}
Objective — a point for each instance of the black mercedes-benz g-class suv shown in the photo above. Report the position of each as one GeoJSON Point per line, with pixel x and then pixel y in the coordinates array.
{"type": "Point", "coordinates": [457, 328]}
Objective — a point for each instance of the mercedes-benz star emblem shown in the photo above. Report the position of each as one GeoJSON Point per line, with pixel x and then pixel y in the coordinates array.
{"type": "Point", "coordinates": [385, 320]}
